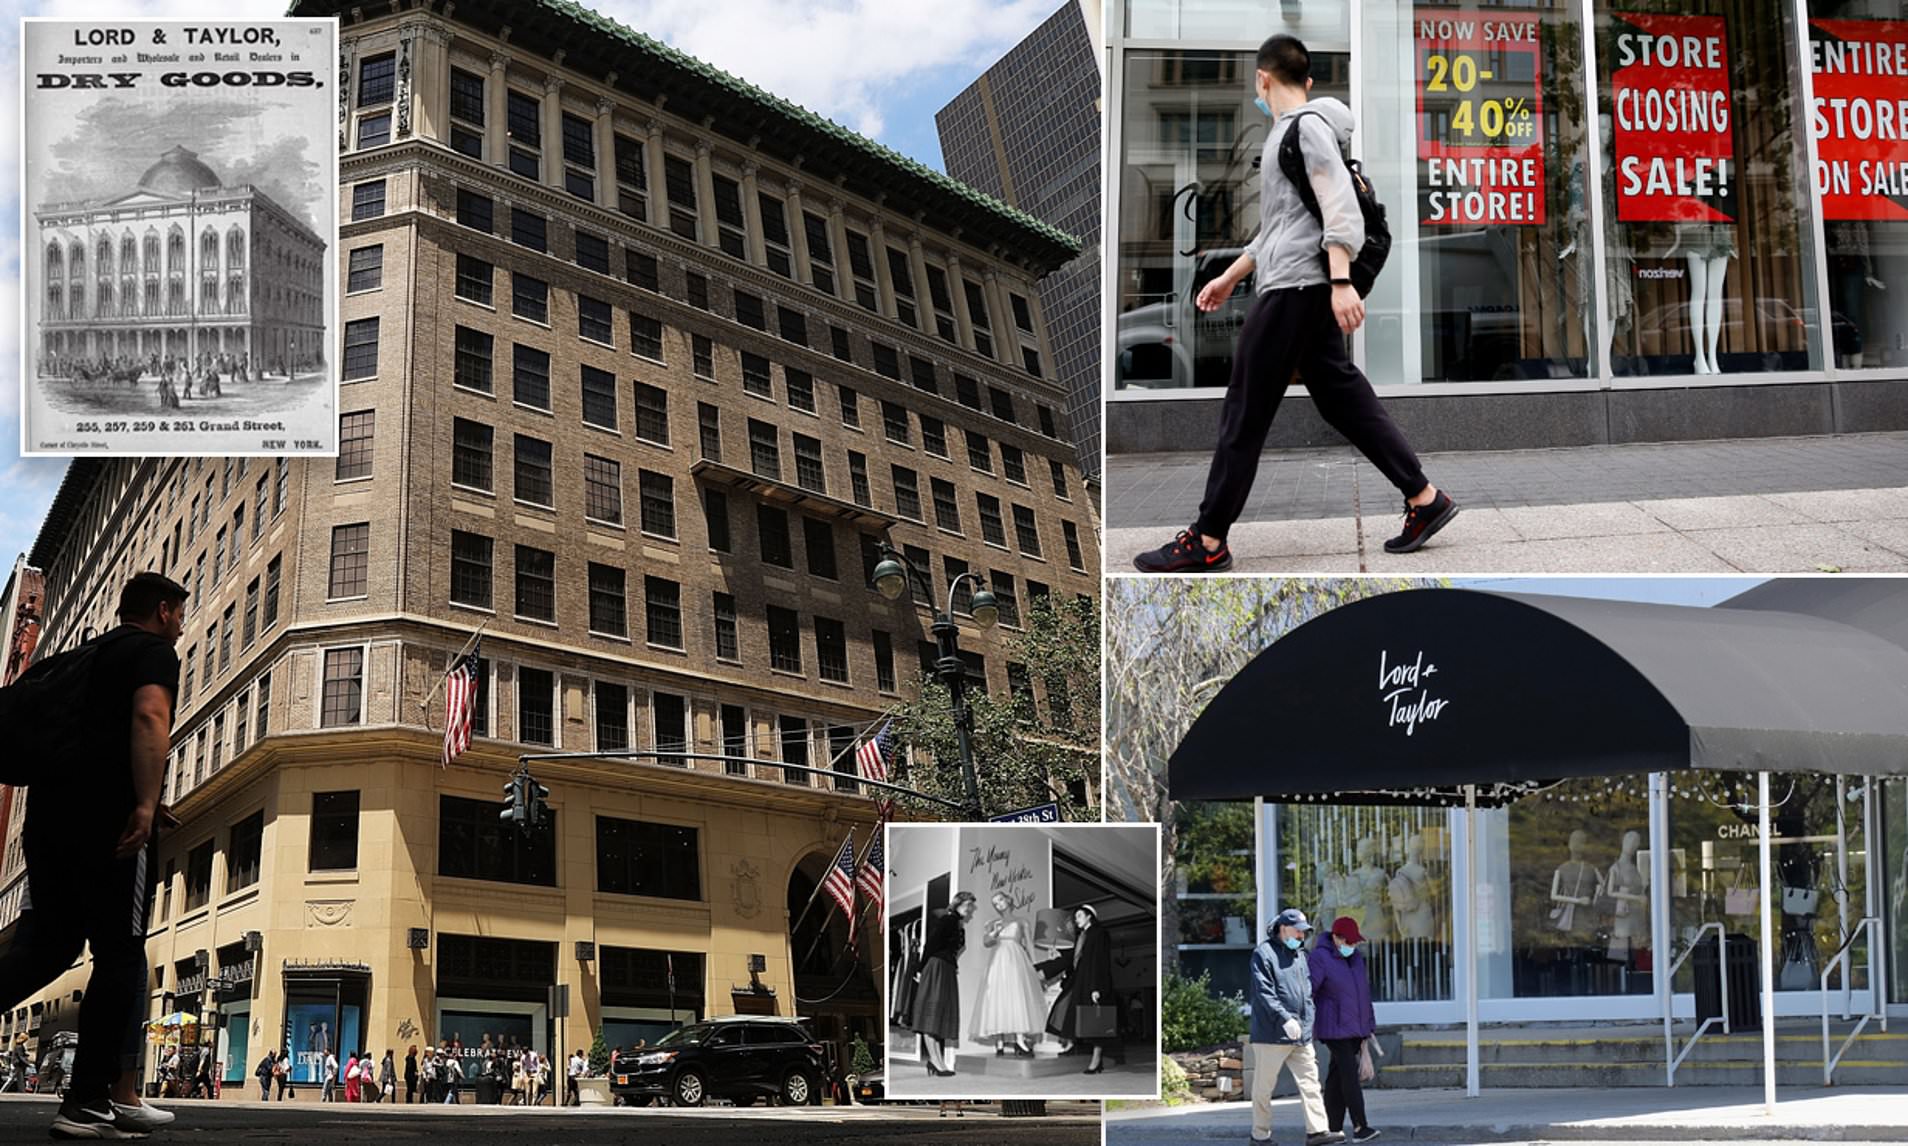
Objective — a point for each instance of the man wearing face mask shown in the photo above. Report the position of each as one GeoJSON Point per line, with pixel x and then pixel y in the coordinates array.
{"type": "Point", "coordinates": [1282, 1015]}
{"type": "Point", "coordinates": [1305, 309]}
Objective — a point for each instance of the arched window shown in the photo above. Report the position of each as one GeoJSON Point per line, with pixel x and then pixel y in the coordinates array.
{"type": "Point", "coordinates": [76, 260]}
{"type": "Point", "coordinates": [55, 263]}
{"type": "Point", "coordinates": [76, 301]}
{"type": "Point", "coordinates": [105, 257]}
{"type": "Point", "coordinates": [235, 249]}
{"type": "Point", "coordinates": [128, 254]}
{"type": "Point", "coordinates": [209, 252]}
{"type": "Point", "coordinates": [152, 252]}
{"type": "Point", "coordinates": [55, 302]}
{"type": "Point", "coordinates": [103, 306]}
{"type": "Point", "coordinates": [128, 289]}
{"type": "Point", "coordinates": [175, 251]}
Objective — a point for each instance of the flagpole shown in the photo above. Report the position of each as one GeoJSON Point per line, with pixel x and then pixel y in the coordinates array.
{"type": "Point", "coordinates": [816, 894]}
{"type": "Point", "coordinates": [424, 704]}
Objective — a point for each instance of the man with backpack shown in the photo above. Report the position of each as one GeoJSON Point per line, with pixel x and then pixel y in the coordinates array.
{"type": "Point", "coordinates": [88, 732]}
{"type": "Point", "coordinates": [1310, 278]}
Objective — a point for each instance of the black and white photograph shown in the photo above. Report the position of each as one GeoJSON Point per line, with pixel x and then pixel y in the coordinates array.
{"type": "Point", "coordinates": [179, 237]}
{"type": "Point", "coordinates": [1023, 961]}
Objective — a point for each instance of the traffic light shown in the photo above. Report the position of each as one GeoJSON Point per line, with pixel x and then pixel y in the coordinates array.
{"type": "Point", "coordinates": [516, 812]}
{"type": "Point", "coordinates": [534, 795]}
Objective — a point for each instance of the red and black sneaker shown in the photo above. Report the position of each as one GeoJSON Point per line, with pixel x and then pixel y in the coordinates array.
{"type": "Point", "coordinates": [1185, 553]}
{"type": "Point", "coordinates": [1421, 522]}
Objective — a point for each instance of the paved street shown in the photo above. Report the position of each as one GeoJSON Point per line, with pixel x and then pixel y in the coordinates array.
{"type": "Point", "coordinates": [1814, 504]}
{"type": "Point", "coordinates": [1580, 1115]}
{"type": "Point", "coordinates": [311, 1124]}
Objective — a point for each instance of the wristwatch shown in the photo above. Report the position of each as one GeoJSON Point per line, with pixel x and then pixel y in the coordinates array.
{"type": "Point", "coordinates": [1341, 282]}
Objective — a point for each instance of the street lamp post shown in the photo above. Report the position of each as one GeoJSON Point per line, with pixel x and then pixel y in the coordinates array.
{"type": "Point", "coordinates": [891, 577]}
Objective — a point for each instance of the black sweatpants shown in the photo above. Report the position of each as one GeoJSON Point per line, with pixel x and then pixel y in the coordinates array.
{"type": "Point", "coordinates": [1344, 1094]}
{"type": "Point", "coordinates": [73, 901]}
{"type": "Point", "coordinates": [1289, 331]}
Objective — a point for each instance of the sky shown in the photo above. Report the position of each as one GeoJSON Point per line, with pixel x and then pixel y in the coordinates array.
{"type": "Point", "coordinates": [881, 67]}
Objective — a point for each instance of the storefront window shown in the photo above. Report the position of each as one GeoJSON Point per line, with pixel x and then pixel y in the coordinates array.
{"type": "Point", "coordinates": [1818, 861]}
{"type": "Point", "coordinates": [1894, 811]}
{"type": "Point", "coordinates": [1709, 260]}
{"type": "Point", "coordinates": [1189, 201]}
{"type": "Point", "coordinates": [1215, 892]}
{"type": "Point", "coordinates": [1858, 56]}
{"type": "Point", "coordinates": [1389, 869]}
{"type": "Point", "coordinates": [321, 1017]}
{"type": "Point", "coordinates": [1309, 20]}
{"type": "Point", "coordinates": [1472, 131]}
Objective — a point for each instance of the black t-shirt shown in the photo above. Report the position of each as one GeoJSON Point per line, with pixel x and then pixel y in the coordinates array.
{"type": "Point", "coordinates": [96, 787]}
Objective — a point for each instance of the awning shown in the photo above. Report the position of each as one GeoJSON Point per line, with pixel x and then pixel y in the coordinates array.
{"type": "Point", "coordinates": [1407, 697]}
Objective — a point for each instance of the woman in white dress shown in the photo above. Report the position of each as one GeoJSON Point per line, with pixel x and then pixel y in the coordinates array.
{"type": "Point", "coordinates": [1012, 1006]}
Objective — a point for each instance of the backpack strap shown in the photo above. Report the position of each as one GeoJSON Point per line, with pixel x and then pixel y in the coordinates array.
{"type": "Point", "coordinates": [1292, 163]}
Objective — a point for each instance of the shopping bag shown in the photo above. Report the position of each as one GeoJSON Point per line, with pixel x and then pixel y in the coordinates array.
{"type": "Point", "coordinates": [1095, 1021]}
{"type": "Point", "coordinates": [1366, 1072]}
{"type": "Point", "coordinates": [1799, 900]}
{"type": "Point", "coordinates": [1739, 900]}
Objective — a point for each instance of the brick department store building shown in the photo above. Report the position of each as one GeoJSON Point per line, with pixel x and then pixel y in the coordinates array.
{"type": "Point", "coordinates": [639, 363]}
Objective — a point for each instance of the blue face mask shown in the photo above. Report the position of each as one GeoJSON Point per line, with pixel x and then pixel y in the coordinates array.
{"type": "Point", "coordinates": [1259, 102]}
{"type": "Point", "coordinates": [1346, 951]}
{"type": "Point", "coordinates": [1292, 942]}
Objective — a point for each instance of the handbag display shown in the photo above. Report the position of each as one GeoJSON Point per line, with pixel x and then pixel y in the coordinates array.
{"type": "Point", "coordinates": [1739, 900]}
{"type": "Point", "coordinates": [1095, 1021]}
{"type": "Point", "coordinates": [1799, 900]}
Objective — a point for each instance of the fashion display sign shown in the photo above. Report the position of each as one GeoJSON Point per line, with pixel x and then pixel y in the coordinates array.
{"type": "Point", "coordinates": [1672, 121]}
{"type": "Point", "coordinates": [1860, 119]}
{"type": "Point", "coordinates": [1480, 118]}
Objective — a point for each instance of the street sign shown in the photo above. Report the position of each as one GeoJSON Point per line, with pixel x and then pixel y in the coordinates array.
{"type": "Point", "coordinates": [559, 1000]}
{"type": "Point", "coordinates": [1038, 814]}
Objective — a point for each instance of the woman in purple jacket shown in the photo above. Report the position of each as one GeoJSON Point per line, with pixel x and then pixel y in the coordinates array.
{"type": "Point", "coordinates": [1341, 990]}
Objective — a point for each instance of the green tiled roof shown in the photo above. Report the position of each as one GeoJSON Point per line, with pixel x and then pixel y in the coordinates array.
{"type": "Point", "coordinates": [1057, 245]}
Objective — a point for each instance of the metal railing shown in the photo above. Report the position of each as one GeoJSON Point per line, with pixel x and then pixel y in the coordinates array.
{"type": "Point", "coordinates": [1672, 1058]}
{"type": "Point", "coordinates": [1870, 927]}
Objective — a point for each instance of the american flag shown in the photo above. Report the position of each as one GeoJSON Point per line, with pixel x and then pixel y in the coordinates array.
{"type": "Point", "coordinates": [460, 704]}
{"type": "Point", "coordinates": [839, 883]}
{"type": "Point", "coordinates": [872, 873]}
{"type": "Point", "coordinates": [872, 757]}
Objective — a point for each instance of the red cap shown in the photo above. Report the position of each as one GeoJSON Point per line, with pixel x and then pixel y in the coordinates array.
{"type": "Point", "coordinates": [1346, 928]}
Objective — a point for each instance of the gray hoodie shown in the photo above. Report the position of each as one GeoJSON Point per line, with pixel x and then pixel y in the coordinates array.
{"type": "Point", "coordinates": [1285, 251]}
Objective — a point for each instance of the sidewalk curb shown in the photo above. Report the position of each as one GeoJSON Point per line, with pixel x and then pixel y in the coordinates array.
{"type": "Point", "coordinates": [1570, 1132]}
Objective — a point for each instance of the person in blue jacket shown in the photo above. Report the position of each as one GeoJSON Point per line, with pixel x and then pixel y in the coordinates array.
{"type": "Point", "coordinates": [1282, 1019]}
{"type": "Point", "coordinates": [1341, 990]}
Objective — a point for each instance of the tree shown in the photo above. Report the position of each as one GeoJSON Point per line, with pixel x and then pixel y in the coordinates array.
{"type": "Point", "coordinates": [1038, 743]}
{"type": "Point", "coordinates": [1171, 646]}
{"type": "Point", "coordinates": [599, 1054]}
{"type": "Point", "coordinates": [861, 1060]}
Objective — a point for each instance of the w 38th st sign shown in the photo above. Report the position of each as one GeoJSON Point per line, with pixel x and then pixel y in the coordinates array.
{"type": "Point", "coordinates": [1404, 691]}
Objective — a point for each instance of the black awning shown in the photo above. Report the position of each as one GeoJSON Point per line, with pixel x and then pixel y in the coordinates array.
{"type": "Point", "coordinates": [1877, 605]}
{"type": "Point", "coordinates": [1410, 696]}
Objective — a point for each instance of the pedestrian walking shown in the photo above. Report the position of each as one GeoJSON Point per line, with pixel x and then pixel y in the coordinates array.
{"type": "Point", "coordinates": [87, 842]}
{"type": "Point", "coordinates": [578, 1064]}
{"type": "Point", "coordinates": [1341, 991]}
{"type": "Point", "coordinates": [453, 1073]}
{"type": "Point", "coordinates": [428, 1073]}
{"type": "Point", "coordinates": [330, 1093]}
{"type": "Point", "coordinates": [282, 1075]}
{"type": "Point", "coordinates": [387, 1077]}
{"type": "Point", "coordinates": [410, 1075]}
{"type": "Point", "coordinates": [1305, 307]}
{"type": "Point", "coordinates": [19, 1063]}
{"type": "Point", "coordinates": [351, 1076]}
{"type": "Point", "coordinates": [263, 1073]}
{"type": "Point", "coordinates": [1283, 1013]}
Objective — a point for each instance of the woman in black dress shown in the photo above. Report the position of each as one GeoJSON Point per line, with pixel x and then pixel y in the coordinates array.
{"type": "Point", "coordinates": [1089, 982]}
{"type": "Point", "coordinates": [937, 1000]}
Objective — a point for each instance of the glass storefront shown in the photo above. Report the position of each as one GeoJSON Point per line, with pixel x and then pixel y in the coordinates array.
{"type": "Point", "coordinates": [1571, 206]}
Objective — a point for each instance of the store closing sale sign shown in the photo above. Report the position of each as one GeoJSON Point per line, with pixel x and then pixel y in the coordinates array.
{"type": "Point", "coordinates": [1672, 119]}
{"type": "Point", "coordinates": [1861, 117]}
{"type": "Point", "coordinates": [1480, 119]}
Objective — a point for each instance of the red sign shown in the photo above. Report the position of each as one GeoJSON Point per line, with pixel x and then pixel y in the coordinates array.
{"type": "Point", "coordinates": [1669, 92]}
{"type": "Point", "coordinates": [1861, 117]}
{"type": "Point", "coordinates": [1480, 118]}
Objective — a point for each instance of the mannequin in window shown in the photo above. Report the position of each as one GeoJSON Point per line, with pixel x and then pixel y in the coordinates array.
{"type": "Point", "coordinates": [1412, 897]}
{"type": "Point", "coordinates": [1629, 887]}
{"type": "Point", "coordinates": [1574, 885]}
{"type": "Point", "coordinates": [1706, 249]}
{"type": "Point", "coordinates": [1336, 892]}
{"type": "Point", "coordinates": [1369, 884]}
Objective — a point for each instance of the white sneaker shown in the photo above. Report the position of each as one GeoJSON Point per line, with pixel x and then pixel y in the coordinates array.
{"type": "Point", "coordinates": [141, 1116]}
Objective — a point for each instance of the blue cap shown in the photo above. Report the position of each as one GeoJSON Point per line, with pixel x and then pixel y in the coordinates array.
{"type": "Point", "coordinates": [1292, 917]}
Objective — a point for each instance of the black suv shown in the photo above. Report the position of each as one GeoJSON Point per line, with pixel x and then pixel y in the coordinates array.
{"type": "Point", "coordinates": [741, 1058]}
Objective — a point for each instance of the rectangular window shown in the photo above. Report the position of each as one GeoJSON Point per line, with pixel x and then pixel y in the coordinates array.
{"type": "Point", "coordinates": [341, 703]}
{"type": "Point", "coordinates": [727, 647]}
{"type": "Point", "coordinates": [374, 130]}
{"type": "Point", "coordinates": [977, 314]}
{"type": "Point", "coordinates": [921, 372]}
{"type": "Point", "coordinates": [1002, 585]}
{"type": "Point", "coordinates": [819, 539]}
{"type": "Point", "coordinates": [943, 302]}
{"type": "Point", "coordinates": [261, 507]}
{"type": "Point", "coordinates": [250, 633]}
{"type": "Point", "coordinates": [1047, 426]}
{"type": "Point", "coordinates": [901, 271]}
{"type": "Point", "coordinates": [473, 844]}
{"type": "Point", "coordinates": [839, 345]}
{"type": "Point", "coordinates": [612, 716]}
{"type": "Point", "coordinates": [785, 640]}
{"type": "Point", "coordinates": [645, 336]}
{"type": "Point", "coordinates": [715, 518]}
{"type": "Point", "coordinates": [755, 375]}
{"type": "Point", "coordinates": [529, 377]}
{"type": "Point", "coordinates": [850, 407]}
{"type": "Point", "coordinates": [350, 560]}
{"type": "Point", "coordinates": [1003, 404]}
{"type": "Point", "coordinates": [263, 710]}
{"type": "Point", "coordinates": [702, 355]}
{"type": "Point", "coordinates": [632, 178]}
{"type": "Point", "coordinates": [523, 121]}
{"type": "Point", "coordinates": [980, 452]}
{"type": "Point", "coordinates": [470, 569]}
{"type": "Point", "coordinates": [467, 97]}
{"type": "Point", "coordinates": [272, 569]}
{"type": "Point", "coordinates": [242, 853]}
{"type": "Point", "coordinates": [1025, 531]}
{"type": "Point", "coordinates": [602, 489]}
{"type": "Point", "coordinates": [967, 391]}
{"type": "Point", "coordinates": [334, 831]}
{"type": "Point", "coordinates": [731, 231]}
{"type": "Point", "coordinates": [1013, 464]}
{"type": "Point", "coordinates": [599, 398]}
{"type": "Point", "coordinates": [652, 413]}
{"type": "Point", "coordinates": [594, 320]}
{"type": "Point", "coordinates": [579, 141]}
{"type": "Point", "coordinates": [474, 279]}
{"type": "Point", "coordinates": [947, 511]}
{"type": "Point", "coordinates": [793, 731]}
{"type": "Point", "coordinates": [954, 567]}
{"type": "Point", "coordinates": [735, 739]}
{"type": "Point", "coordinates": [695, 290]}
{"type": "Point", "coordinates": [934, 436]}
{"type": "Point", "coordinates": [771, 527]}
{"type": "Point", "coordinates": [894, 422]}
{"type": "Point", "coordinates": [471, 365]}
{"type": "Point", "coordinates": [662, 612]}
{"type": "Point", "coordinates": [475, 210]}
{"type": "Point", "coordinates": [1059, 471]}
{"type": "Point", "coordinates": [1023, 314]}
{"type": "Point", "coordinates": [907, 493]}
{"type": "Point", "coordinates": [821, 252]}
{"type": "Point", "coordinates": [529, 229]}
{"type": "Point", "coordinates": [536, 584]}
{"type": "Point", "coordinates": [993, 526]}
{"type": "Point", "coordinates": [592, 252]}
{"type": "Point", "coordinates": [831, 650]}
{"type": "Point", "coordinates": [775, 234]}
{"type": "Point", "coordinates": [533, 482]}
{"type": "Point", "coordinates": [377, 76]}
{"type": "Point", "coordinates": [367, 200]}
{"type": "Point", "coordinates": [861, 264]}
{"type": "Point", "coordinates": [679, 178]}
{"type": "Point", "coordinates": [1030, 359]}
{"type": "Point", "coordinates": [608, 614]}
{"type": "Point", "coordinates": [765, 450]}
{"type": "Point", "coordinates": [367, 268]}
{"type": "Point", "coordinates": [529, 297]}
{"type": "Point", "coordinates": [800, 387]}
{"type": "Point", "coordinates": [354, 446]}
{"type": "Point", "coordinates": [670, 715]}
{"type": "Point", "coordinates": [793, 325]}
{"type": "Point", "coordinates": [884, 661]}
{"type": "Point", "coordinates": [536, 705]}
{"type": "Point", "coordinates": [887, 360]}
{"type": "Point", "coordinates": [658, 492]}
{"type": "Point", "coordinates": [858, 479]}
{"type": "Point", "coordinates": [749, 310]}
{"type": "Point", "coordinates": [225, 637]}
{"type": "Point", "coordinates": [1075, 559]}
{"type": "Point", "coordinates": [658, 860]}
{"type": "Point", "coordinates": [709, 431]}
{"type": "Point", "coordinates": [809, 473]}
{"type": "Point", "coordinates": [360, 349]}
{"type": "Point", "coordinates": [640, 268]}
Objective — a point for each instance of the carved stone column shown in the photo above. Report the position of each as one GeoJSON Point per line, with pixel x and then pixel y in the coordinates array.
{"type": "Point", "coordinates": [884, 279]}
{"type": "Point", "coordinates": [752, 214]}
{"type": "Point", "coordinates": [705, 192]}
{"type": "Point", "coordinates": [798, 232]}
{"type": "Point", "coordinates": [605, 130]}
{"type": "Point", "coordinates": [838, 236]}
{"type": "Point", "coordinates": [496, 110]}
{"type": "Point", "coordinates": [923, 297]}
{"type": "Point", "coordinates": [552, 129]}
{"type": "Point", "coordinates": [957, 290]}
{"type": "Point", "coordinates": [653, 171]}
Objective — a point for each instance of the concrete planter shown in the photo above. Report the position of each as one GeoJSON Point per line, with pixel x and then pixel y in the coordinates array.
{"type": "Point", "coordinates": [593, 1091]}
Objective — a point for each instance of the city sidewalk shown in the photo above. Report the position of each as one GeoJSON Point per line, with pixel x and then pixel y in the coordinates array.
{"type": "Point", "coordinates": [1766, 505]}
{"type": "Point", "coordinates": [1639, 1114]}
